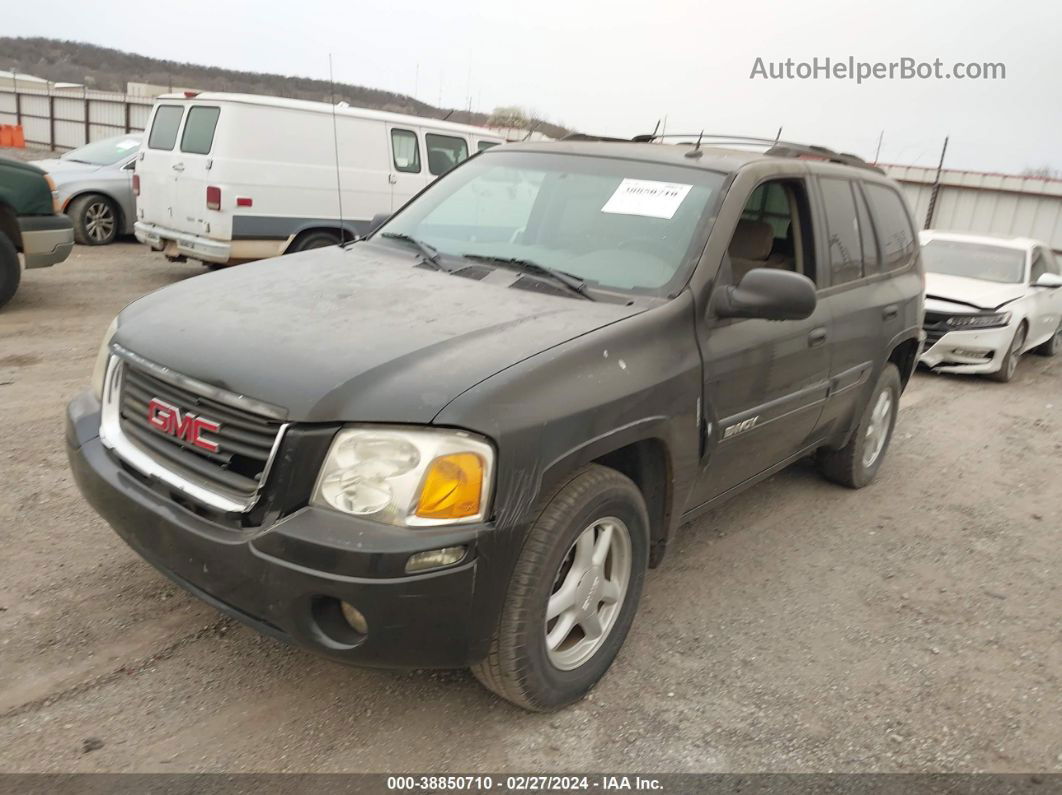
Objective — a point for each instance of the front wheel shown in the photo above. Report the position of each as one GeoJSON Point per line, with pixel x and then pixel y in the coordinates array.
{"type": "Point", "coordinates": [573, 593]}
{"type": "Point", "coordinates": [95, 220]}
{"type": "Point", "coordinates": [856, 464]}
{"type": "Point", "coordinates": [10, 269]}
{"type": "Point", "coordinates": [1009, 367]}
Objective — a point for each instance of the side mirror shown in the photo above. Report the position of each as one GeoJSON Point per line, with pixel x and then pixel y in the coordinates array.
{"type": "Point", "coordinates": [1051, 280]}
{"type": "Point", "coordinates": [377, 221]}
{"type": "Point", "coordinates": [767, 293]}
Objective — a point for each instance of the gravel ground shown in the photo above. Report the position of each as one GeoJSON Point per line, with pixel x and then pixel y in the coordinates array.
{"type": "Point", "coordinates": [911, 626]}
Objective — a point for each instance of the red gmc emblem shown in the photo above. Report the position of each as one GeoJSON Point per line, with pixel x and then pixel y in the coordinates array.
{"type": "Point", "coordinates": [167, 418]}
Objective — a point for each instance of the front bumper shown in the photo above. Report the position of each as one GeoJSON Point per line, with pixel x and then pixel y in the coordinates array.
{"type": "Point", "coordinates": [979, 351]}
{"type": "Point", "coordinates": [284, 580]}
{"type": "Point", "coordinates": [170, 241]}
{"type": "Point", "coordinates": [46, 239]}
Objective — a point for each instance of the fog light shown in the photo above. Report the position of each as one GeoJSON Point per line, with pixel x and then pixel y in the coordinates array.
{"type": "Point", "coordinates": [435, 559]}
{"type": "Point", "coordinates": [971, 353]}
{"type": "Point", "coordinates": [354, 618]}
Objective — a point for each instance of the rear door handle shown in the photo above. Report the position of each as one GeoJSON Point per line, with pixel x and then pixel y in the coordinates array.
{"type": "Point", "coordinates": [890, 312]}
{"type": "Point", "coordinates": [817, 337]}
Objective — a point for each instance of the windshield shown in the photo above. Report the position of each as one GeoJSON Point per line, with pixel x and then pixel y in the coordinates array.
{"type": "Point", "coordinates": [105, 152]}
{"type": "Point", "coordinates": [975, 261]}
{"type": "Point", "coordinates": [616, 224]}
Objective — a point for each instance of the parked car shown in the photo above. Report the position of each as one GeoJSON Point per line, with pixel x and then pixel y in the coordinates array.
{"type": "Point", "coordinates": [226, 178]}
{"type": "Point", "coordinates": [29, 224]}
{"type": "Point", "coordinates": [463, 440]}
{"type": "Point", "coordinates": [988, 301]}
{"type": "Point", "coordinates": [95, 187]}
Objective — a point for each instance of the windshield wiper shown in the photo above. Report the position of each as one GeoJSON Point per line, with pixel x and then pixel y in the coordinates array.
{"type": "Point", "coordinates": [569, 281]}
{"type": "Point", "coordinates": [429, 254]}
{"type": "Point", "coordinates": [75, 160]}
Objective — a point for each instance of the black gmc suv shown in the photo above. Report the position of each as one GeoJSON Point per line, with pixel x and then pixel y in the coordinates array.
{"type": "Point", "coordinates": [463, 440]}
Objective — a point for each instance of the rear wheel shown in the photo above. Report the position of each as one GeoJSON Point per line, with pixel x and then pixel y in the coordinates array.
{"type": "Point", "coordinates": [573, 593]}
{"type": "Point", "coordinates": [10, 270]}
{"type": "Point", "coordinates": [310, 240]}
{"type": "Point", "coordinates": [1053, 345]}
{"type": "Point", "coordinates": [1006, 371]}
{"type": "Point", "coordinates": [856, 464]}
{"type": "Point", "coordinates": [95, 220]}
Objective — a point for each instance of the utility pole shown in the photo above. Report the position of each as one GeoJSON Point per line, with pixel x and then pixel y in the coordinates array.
{"type": "Point", "coordinates": [936, 187]}
{"type": "Point", "coordinates": [877, 153]}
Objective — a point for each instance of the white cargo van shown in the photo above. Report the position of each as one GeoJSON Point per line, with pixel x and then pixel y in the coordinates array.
{"type": "Point", "coordinates": [227, 178]}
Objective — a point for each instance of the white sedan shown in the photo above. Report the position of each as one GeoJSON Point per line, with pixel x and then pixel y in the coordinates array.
{"type": "Point", "coordinates": [988, 301]}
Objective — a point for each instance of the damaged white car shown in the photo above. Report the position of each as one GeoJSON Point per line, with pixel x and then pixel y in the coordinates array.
{"type": "Point", "coordinates": [988, 301]}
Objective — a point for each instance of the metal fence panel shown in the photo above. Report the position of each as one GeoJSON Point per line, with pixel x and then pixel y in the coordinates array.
{"type": "Point", "coordinates": [66, 120]}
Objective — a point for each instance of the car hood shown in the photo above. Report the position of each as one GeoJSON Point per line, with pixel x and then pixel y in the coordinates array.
{"type": "Point", "coordinates": [66, 170]}
{"type": "Point", "coordinates": [350, 334]}
{"type": "Point", "coordinates": [975, 293]}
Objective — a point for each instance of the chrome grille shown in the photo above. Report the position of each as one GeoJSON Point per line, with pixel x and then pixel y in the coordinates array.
{"type": "Point", "coordinates": [245, 441]}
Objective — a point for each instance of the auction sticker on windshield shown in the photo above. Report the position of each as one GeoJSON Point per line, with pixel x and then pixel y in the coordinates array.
{"type": "Point", "coordinates": [646, 197]}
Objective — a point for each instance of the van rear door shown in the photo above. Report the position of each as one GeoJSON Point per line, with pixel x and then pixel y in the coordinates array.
{"type": "Point", "coordinates": [199, 206]}
{"type": "Point", "coordinates": [156, 165]}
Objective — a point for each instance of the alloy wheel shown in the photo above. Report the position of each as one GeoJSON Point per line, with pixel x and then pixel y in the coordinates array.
{"type": "Point", "coordinates": [99, 221]}
{"type": "Point", "coordinates": [588, 593]}
{"type": "Point", "coordinates": [1015, 352]}
{"type": "Point", "coordinates": [878, 428]}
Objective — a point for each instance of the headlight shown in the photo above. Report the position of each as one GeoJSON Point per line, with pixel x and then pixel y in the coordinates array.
{"type": "Point", "coordinates": [979, 321]}
{"type": "Point", "coordinates": [410, 477]}
{"type": "Point", "coordinates": [100, 370]}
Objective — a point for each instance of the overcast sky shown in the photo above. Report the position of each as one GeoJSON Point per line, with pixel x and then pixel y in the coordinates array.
{"type": "Point", "coordinates": [616, 67]}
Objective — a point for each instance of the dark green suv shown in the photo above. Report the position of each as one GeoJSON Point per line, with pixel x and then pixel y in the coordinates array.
{"type": "Point", "coordinates": [30, 224]}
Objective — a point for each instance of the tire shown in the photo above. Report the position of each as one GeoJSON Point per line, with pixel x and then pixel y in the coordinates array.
{"type": "Point", "coordinates": [313, 240]}
{"type": "Point", "coordinates": [1009, 367]}
{"type": "Point", "coordinates": [520, 666]}
{"type": "Point", "coordinates": [10, 269]}
{"type": "Point", "coordinates": [1053, 345]}
{"type": "Point", "coordinates": [856, 464]}
{"type": "Point", "coordinates": [96, 219]}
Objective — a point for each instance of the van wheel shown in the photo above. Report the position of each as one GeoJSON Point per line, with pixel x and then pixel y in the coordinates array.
{"type": "Point", "coordinates": [10, 270]}
{"type": "Point", "coordinates": [1006, 371]}
{"type": "Point", "coordinates": [573, 593]}
{"type": "Point", "coordinates": [1053, 345]}
{"type": "Point", "coordinates": [313, 240]}
{"type": "Point", "coordinates": [856, 464]}
{"type": "Point", "coordinates": [95, 220]}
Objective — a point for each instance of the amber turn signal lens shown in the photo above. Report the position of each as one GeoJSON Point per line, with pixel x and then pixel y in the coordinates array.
{"type": "Point", "coordinates": [452, 487]}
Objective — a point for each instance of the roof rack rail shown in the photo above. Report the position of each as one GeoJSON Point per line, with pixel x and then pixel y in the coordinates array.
{"type": "Point", "coordinates": [774, 147]}
{"type": "Point", "coordinates": [585, 137]}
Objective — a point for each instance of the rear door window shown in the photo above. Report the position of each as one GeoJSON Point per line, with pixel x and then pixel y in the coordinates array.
{"type": "Point", "coordinates": [405, 152]}
{"type": "Point", "coordinates": [444, 152]}
{"type": "Point", "coordinates": [893, 224]}
{"type": "Point", "coordinates": [846, 248]}
{"type": "Point", "coordinates": [198, 134]}
{"type": "Point", "coordinates": [164, 127]}
{"type": "Point", "coordinates": [871, 259]}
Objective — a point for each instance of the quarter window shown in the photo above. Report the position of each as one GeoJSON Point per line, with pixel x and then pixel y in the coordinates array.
{"type": "Point", "coordinates": [846, 248]}
{"type": "Point", "coordinates": [893, 224]}
{"type": "Point", "coordinates": [164, 127]}
{"type": "Point", "coordinates": [198, 134]}
{"type": "Point", "coordinates": [405, 151]}
{"type": "Point", "coordinates": [444, 152]}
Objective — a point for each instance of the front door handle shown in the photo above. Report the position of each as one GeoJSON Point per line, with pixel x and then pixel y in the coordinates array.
{"type": "Point", "coordinates": [178, 166]}
{"type": "Point", "coordinates": [890, 312]}
{"type": "Point", "coordinates": [817, 337]}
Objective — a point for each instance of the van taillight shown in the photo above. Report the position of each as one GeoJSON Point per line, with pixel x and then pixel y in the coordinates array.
{"type": "Point", "coordinates": [213, 197]}
{"type": "Point", "coordinates": [136, 184]}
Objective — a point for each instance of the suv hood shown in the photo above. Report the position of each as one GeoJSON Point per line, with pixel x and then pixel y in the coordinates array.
{"type": "Point", "coordinates": [358, 334]}
{"type": "Point", "coordinates": [974, 292]}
